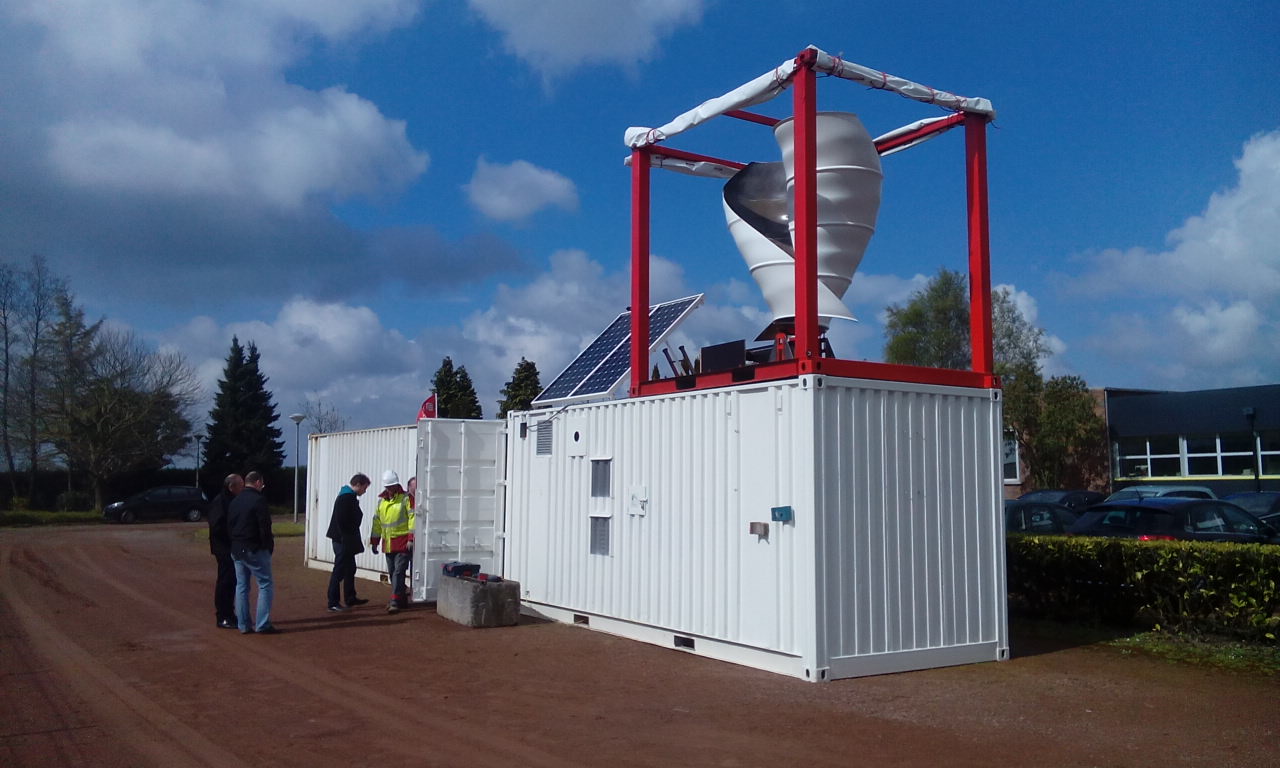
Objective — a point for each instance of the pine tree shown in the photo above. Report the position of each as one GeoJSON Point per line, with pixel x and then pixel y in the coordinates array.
{"type": "Point", "coordinates": [518, 393]}
{"type": "Point", "coordinates": [241, 434]}
{"type": "Point", "coordinates": [455, 395]}
{"type": "Point", "coordinates": [467, 404]}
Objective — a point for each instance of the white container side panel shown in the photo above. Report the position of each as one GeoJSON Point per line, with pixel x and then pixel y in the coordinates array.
{"type": "Point", "coordinates": [687, 474]}
{"type": "Point", "coordinates": [911, 541]}
{"type": "Point", "coordinates": [462, 468]}
{"type": "Point", "coordinates": [331, 461]}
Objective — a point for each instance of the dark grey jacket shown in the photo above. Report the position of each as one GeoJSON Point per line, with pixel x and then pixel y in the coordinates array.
{"type": "Point", "coordinates": [249, 522]}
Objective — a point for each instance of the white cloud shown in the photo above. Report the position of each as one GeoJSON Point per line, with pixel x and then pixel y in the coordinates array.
{"type": "Point", "coordinates": [335, 352]}
{"type": "Point", "coordinates": [555, 36]}
{"type": "Point", "coordinates": [1228, 249]}
{"type": "Point", "coordinates": [516, 191]}
{"type": "Point", "coordinates": [1214, 293]}
{"type": "Point", "coordinates": [190, 98]}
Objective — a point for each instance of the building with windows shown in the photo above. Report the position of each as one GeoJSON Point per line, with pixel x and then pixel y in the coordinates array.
{"type": "Point", "coordinates": [1226, 439]}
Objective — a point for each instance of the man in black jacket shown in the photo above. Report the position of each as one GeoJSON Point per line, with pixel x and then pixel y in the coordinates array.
{"type": "Point", "coordinates": [344, 529]}
{"type": "Point", "coordinates": [224, 589]}
{"type": "Point", "coordinates": [249, 522]}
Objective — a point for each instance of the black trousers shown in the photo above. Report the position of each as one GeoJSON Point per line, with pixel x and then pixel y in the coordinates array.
{"type": "Point", "coordinates": [344, 573]}
{"type": "Point", "coordinates": [224, 589]}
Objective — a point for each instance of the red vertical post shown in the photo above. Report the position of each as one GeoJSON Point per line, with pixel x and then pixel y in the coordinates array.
{"type": "Point", "coordinates": [639, 269]}
{"type": "Point", "coordinates": [805, 190]}
{"type": "Point", "coordinates": [980, 337]}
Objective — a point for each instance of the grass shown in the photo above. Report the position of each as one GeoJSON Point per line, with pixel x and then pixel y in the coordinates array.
{"type": "Point", "coordinates": [1199, 650]}
{"type": "Point", "coordinates": [1222, 653]}
{"type": "Point", "coordinates": [26, 518]}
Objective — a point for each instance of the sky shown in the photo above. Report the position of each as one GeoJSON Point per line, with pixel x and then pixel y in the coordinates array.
{"type": "Point", "coordinates": [364, 188]}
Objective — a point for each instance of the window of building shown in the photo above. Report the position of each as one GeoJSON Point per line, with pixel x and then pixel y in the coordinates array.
{"type": "Point", "coordinates": [1012, 464]}
{"type": "Point", "coordinates": [1226, 454]}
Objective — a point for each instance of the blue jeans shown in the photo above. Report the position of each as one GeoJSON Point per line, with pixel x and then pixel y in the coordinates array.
{"type": "Point", "coordinates": [257, 564]}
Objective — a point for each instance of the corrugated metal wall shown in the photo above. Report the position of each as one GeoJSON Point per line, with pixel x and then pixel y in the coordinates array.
{"type": "Point", "coordinates": [331, 461]}
{"type": "Point", "coordinates": [690, 473]}
{"type": "Point", "coordinates": [912, 541]}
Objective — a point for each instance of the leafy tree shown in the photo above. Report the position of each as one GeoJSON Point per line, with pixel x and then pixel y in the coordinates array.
{"type": "Point", "coordinates": [932, 329]}
{"type": "Point", "coordinates": [241, 434]}
{"type": "Point", "coordinates": [518, 393]}
{"type": "Point", "coordinates": [455, 395]}
{"type": "Point", "coordinates": [111, 404]}
{"type": "Point", "coordinates": [1060, 435]}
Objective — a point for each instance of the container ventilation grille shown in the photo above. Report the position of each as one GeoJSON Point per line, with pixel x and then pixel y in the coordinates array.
{"type": "Point", "coordinates": [544, 437]}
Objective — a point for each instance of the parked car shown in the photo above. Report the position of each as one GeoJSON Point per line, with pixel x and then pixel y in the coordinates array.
{"type": "Point", "coordinates": [1022, 516]}
{"type": "Point", "coordinates": [1171, 517]}
{"type": "Point", "coordinates": [166, 501]}
{"type": "Point", "coordinates": [1148, 491]}
{"type": "Point", "coordinates": [1073, 499]}
{"type": "Point", "coordinates": [1264, 505]}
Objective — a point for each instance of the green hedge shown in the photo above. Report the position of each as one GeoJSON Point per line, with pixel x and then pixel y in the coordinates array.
{"type": "Point", "coordinates": [1227, 589]}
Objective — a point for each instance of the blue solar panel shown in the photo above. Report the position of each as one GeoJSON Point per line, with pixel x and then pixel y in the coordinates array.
{"type": "Point", "coordinates": [661, 320]}
{"type": "Point", "coordinates": [597, 371]}
{"type": "Point", "coordinates": [618, 332]}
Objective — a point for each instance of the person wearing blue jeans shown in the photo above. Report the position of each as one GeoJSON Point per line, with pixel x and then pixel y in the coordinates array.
{"type": "Point", "coordinates": [249, 523]}
{"type": "Point", "coordinates": [258, 565]}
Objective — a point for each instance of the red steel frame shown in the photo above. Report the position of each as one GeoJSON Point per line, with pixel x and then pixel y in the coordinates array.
{"type": "Point", "coordinates": [808, 357]}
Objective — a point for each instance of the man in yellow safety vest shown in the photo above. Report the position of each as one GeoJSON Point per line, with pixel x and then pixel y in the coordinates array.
{"type": "Point", "coordinates": [393, 531]}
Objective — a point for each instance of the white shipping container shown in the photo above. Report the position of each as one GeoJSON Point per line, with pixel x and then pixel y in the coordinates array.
{"type": "Point", "coordinates": [818, 527]}
{"type": "Point", "coordinates": [331, 461]}
{"type": "Point", "coordinates": [461, 466]}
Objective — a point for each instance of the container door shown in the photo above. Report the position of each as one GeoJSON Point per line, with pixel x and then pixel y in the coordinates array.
{"type": "Point", "coordinates": [461, 470]}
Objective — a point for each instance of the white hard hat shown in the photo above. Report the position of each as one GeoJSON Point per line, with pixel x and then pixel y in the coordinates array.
{"type": "Point", "coordinates": [390, 478]}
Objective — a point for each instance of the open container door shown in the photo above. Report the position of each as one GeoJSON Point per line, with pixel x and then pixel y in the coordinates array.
{"type": "Point", "coordinates": [459, 504]}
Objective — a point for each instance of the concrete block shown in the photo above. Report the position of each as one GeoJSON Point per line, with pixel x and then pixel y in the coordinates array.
{"type": "Point", "coordinates": [475, 603]}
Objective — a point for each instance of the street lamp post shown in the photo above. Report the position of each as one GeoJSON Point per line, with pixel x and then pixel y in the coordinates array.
{"type": "Point", "coordinates": [198, 442]}
{"type": "Point", "coordinates": [297, 433]}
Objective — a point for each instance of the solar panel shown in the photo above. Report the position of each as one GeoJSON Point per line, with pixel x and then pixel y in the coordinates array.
{"type": "Point", "coordinates": [602, 365]}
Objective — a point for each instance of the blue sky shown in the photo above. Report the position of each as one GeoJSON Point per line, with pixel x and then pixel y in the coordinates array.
{"type": "Point", "coordinates": [362, 188]}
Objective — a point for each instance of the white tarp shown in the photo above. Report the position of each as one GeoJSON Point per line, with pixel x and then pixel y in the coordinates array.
{"type": "Point", "coordinates": [770, 84]}
{"type": "Point", "coordinates": [691, 167]}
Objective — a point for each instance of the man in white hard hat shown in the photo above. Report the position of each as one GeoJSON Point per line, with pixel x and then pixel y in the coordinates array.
{"type": "Point", "coordinates": [393, 531]}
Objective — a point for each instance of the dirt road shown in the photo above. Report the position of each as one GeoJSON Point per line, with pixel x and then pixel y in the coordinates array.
{"type": "Point", "coordinates": [109, 657]}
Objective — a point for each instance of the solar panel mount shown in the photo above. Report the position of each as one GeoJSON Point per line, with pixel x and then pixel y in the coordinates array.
{"type": "Point", "coordinates": [600, 368]}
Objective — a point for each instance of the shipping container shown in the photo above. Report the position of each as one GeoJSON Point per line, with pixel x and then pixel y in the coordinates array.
{"type": "Point", "coordinates": [818, 527]}
{"type": "Point", "coordinates": [331, 461]}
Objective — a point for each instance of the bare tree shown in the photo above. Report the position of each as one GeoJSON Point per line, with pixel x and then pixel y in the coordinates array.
{"type": "Point", "coordinates": [324, 418]}
{"type": "Point", "coordinates": [10, 314]}
{"type": "Point", "coordinates": [128, 408]}
{"type": "Point", "coordinates": [38, 310]}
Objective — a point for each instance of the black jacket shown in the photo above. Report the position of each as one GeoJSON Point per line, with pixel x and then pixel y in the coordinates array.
{"type": "Point", "coordinates": [344, 525]}
{"type": "Point", "coordinates": [249, 522]}
{"type": "Point", "coordinates": [219, 535]}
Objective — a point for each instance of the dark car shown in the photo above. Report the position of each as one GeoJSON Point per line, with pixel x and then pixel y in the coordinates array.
{"type": "Point", "coordinates": [1171, 517]}
{"type": "Point", "coordinates": [1264, 505]}
{"type": "Point", "coordinates": [1076, 500]}
{"type": "Point", "coordinates": [1022, 516]}
{"type": "Point", "coordinates": [167, 501]}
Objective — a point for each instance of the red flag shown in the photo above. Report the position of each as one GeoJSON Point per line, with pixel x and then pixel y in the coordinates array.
{"type": "Point", "coordinates": [428, 409]}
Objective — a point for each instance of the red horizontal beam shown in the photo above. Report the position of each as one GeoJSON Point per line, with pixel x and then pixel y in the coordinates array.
{"type": "Point", "coordinates": [947, 123]}
{"type": "Point", "coordinates": [825, 366]}
{"type": "Point", "coordinates": [752, 117]}
{"type": "Point", "coordinates": [680, 154]}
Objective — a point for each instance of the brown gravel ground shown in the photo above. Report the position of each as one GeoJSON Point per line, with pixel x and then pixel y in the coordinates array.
{"type": "Point", "coordinates": [109, 657]}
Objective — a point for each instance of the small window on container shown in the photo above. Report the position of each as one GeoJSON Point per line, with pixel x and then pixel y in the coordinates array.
{"type": "Point", "coordinates": [600, 535]}
{"type": "Point", "coordinates": [601, 478]}
{"type": "Point", "coordinates": [544, 437]}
